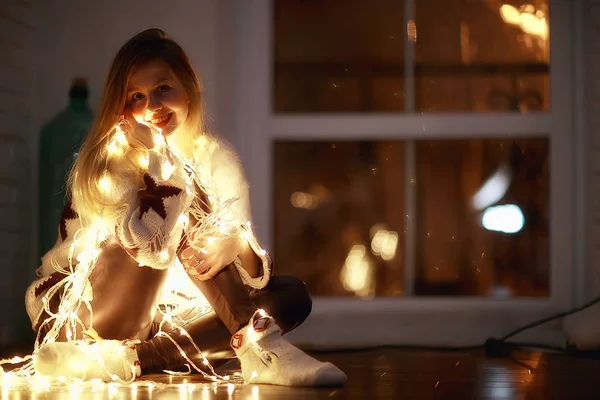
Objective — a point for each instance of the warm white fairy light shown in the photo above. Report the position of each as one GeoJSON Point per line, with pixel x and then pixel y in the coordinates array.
{"type": "Point", "coordinates": [114, 149]}
{"type": "Point", "coordinates": [159, 141]}
{"type": "Point", "coordinates": [112, 390]}
{"type": "Point", "coordinates": [143, 161]}
{"type": "Point", "coordinates": [84, 250]}
{"type": "Point", "coordinates": [105, 183]}
{"type": "Point", "coordinates": [184, 220]}
{"type": "Point", "coordinates": [167, 170]}
{"type": "Point", "coordinates": [164, 255]}
{"type": "Point", "coordinates": [120, 137]}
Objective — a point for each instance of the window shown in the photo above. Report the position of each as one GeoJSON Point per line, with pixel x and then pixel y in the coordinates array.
{"type": "Point", "coordinates": [453, 55]}
{"type": "Point", "coordinates": [427, 167]}
{"type": "Point", "coordinates": [480, 221]}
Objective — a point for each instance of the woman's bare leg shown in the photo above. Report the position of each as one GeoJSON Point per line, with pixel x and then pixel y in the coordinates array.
{"type": "Point", "coordinates": [125, 297]}
{"type": "Point", "coordinates": [285, 298]}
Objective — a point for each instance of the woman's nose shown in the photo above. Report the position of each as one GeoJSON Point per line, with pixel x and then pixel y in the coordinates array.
{"type": "Point", "coordinates": [154, 104]}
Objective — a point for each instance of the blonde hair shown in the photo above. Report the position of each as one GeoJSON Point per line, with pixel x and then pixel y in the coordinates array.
{"type": "Point", "coordinates": [93, 160]}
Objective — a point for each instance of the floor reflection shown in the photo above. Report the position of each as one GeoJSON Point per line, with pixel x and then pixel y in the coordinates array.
{"type": "Point", "coordinates": [378, 374]}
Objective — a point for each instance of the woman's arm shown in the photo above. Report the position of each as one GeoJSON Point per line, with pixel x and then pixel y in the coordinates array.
{"type": "Point", "coordinates": [150, 224]}
{"type": "Point", "coordinates": [229, 178]}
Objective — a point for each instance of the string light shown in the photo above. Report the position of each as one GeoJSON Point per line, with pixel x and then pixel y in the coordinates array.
{"type": "Point", "coordinates": [105, 183]}
{"type": "Point", "coordinates": [76, 291]}
{"type": "Point", "coordinates": [167, 170]}
{"type": "Point", "coordinates": [143, 161]}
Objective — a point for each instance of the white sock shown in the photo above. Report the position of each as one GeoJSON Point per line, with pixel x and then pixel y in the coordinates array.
{"type": "Point", "coordinates": [106, 360]}
{"type": "Point", "coordinates": [267, 357]}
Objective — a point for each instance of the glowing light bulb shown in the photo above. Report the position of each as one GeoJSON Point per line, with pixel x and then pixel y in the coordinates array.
{"type": "Point", "coordinates": [164, 255]}
{"type": "Point", "coordinates": [114, 149]}
{"type": "Point", "coordinates": [105, 183]}
{"type": "Point", "coordinates": [510, 14]}
{"type": "Point", "coordinates": [184, 220]}
{"type": "Point", "coordinates": [120, 138]}
{"type": "Point", "coordinates": [167, 170]}
{"type": "Point", "coordinates": [356, 272]}
{"type": "Point", "coordinates": [411, 30]}
{"type": "Point", "coordinates": [506, 218]}
{"type": "Point", "coordinates": [143, 161]}
{"type": "Point", "coordinates": [158, 140]}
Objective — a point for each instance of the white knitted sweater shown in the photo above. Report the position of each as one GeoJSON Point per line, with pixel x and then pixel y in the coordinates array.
{"type": "Point", "coordinates": [147, 227]}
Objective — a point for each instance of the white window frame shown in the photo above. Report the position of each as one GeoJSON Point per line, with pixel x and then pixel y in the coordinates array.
{"type": "Point", "coordinates": [452, 321]}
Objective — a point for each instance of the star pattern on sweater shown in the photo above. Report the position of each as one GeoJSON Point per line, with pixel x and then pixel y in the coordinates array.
{"type": "Point", "coordinates": [48, 282]}
{"type": "Point", "coordinates": [152, 196]}
{"type": "Point", "coordinates": [68, 214]}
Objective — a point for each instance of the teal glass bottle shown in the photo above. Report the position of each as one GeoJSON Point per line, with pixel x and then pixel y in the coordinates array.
{"type": "Point", "coordinates": [60, 139]}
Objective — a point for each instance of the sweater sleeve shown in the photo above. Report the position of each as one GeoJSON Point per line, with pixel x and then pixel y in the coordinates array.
{"type": "Point", "coordinates": [231, 183]}
{"type": "Point", "coordinates": [150, 226]}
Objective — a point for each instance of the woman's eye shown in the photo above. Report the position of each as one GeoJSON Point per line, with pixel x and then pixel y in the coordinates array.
{"type": "Point", "coordinates": [137, 96]}
{"type": "Point", "coordinates": [164, 88]}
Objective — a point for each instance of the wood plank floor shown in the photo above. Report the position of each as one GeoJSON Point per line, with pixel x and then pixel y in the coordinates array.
{"type": "Point", "coordinates": [389, 373]}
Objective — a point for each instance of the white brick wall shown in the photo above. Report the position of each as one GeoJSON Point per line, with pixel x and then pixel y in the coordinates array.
{"type": "Point", "coordinates": [16, 216]}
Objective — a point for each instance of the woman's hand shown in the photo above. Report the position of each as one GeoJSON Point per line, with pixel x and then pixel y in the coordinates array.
{"type": "Point", "coordinates": [215, 255]}
{"type": "Point", "coordinates": [138, 134]}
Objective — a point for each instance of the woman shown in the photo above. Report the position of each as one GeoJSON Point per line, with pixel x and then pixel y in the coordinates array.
{"type": "Point", "coordinates": [159, 214]}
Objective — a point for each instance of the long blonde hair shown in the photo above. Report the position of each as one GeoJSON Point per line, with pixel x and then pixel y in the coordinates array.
{"type": "Point", "coordinates": [93, 159]}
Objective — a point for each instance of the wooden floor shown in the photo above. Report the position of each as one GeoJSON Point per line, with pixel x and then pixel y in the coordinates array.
{"type": "Point", "coordinates": [387, 374]}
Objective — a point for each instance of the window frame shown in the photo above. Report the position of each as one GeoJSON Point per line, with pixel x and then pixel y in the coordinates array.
{"type": "Point", "coordinates": [434, 320]}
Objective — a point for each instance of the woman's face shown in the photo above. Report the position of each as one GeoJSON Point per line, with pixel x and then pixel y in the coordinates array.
{"type": "Point", "coordinates": [156, 97]}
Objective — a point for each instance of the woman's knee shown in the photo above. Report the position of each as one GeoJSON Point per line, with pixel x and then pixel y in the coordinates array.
{"type": "Point", "coordinates": [295, 297]}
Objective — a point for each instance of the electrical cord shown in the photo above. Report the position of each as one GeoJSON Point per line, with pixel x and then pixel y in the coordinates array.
{"type": "Point", "coordinates": [500, 347]}
{"type": "Point", "coordinates": [494, 347]}
{"type": "Point", "coordinates": [550, 318]}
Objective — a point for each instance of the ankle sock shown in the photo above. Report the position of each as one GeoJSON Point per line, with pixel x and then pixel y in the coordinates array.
{"type": "Point", "coordinates": [267, 357]}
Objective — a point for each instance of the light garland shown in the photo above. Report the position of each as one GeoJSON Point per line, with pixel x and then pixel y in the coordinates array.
{"type": "Point", "coordinates": [83, 252]}
{"type": "Point", "coordinates": [39, 385]}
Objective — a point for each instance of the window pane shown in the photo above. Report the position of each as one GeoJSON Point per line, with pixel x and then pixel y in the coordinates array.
{"type": "Point", "coordinates": [482, 217]}
{"type": "Point", "coordinates": [481, 55]}
{"type": "Point", "coordinates": [339, 216]}
{"type": "Point", "coordinates": [338, 55]}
